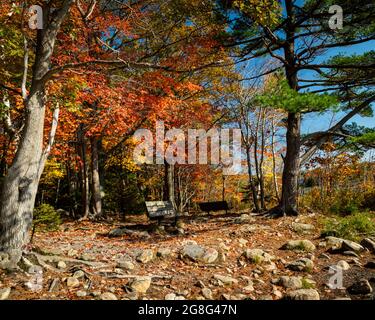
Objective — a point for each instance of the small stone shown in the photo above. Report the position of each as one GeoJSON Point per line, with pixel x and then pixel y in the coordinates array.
{"type": "Point", "coordinates": [290, 282]}
{"type": "Point", "coordinates": [210, 255]}
{"type": "Point", "coordinates": [145, 256]}
{"type": "Point", "coordinates": [72, 253]}
{"type": "Point", "coordinates": [125, 264]}
{"type": "Point", "coordinates": [78, 274]}
{"type": "Point", "coordinates": [248, 288]}
{"type": "Point", "coordinates": [55, 284]}
{"type": "Point", "coordinates": [96, 293]}
{"type": "Point", "coordinates": [88, 257]}
{"type": "Point", "coordinates": [72, 282]}
{"type": "Point", "coordinates": [225, 280]}
{"type": "Point", "coordinates": [302, 264]}
{"type": "Point", "coordinates": [170, 296]}
{"type": "Point", "coordinates": [304, 245]}
{"type": "Point", "coordinates": [140, 284]}
{"type": "Point", "coordinates": [343, 265]}
{"type": "Point", "coordinates": [108, 296]}
{"type": "Point", "coordinates": [4, 293]}
{"type": "Point", "coordinates": [348, 245]}
{"type": "Point", "coordinates": [207, 293]}
{"type": "Point", "coordinates": [302, 227]}
{"type": "Point", "coordinates": [360, 287]}
{"type": "Point", "coordinates": [61, 265]}
{"type": "Point", "coordinates": [257, 256]}
{"type": "Point", "coordinates": [324, 256]}
{"type": "Point", "coordinates": [81, 293]}
{"type": "Point", "coordinates": [350, 254]}
{"type": "Point", "coordinates": [199, 253]}
{"type": "Point", "coordinates": [303, 294]}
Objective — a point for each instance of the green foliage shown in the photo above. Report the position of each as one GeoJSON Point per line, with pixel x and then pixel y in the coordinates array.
{"type": "Point", "coordinates": [307, 284]}
{"type": "Point", "coordinates": [46, 218]}
{"type": "Point", "coordinates": [352, 227]}
{"type": "Point", "coordinates": [285, 98]}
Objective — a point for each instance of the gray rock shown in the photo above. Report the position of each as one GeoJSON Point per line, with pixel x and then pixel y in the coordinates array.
{"type": "Point", "coordinates": [303, 294]}
{"type": "Point", "coordinates": [207, 293]}
{"type": "Point", "coordinates": [225, 280]}
{"type": "Point", "coordinates": [88, 257]}
{"type": "Point", "coordinates": [4, 293]}
{"type": "Point", "coordinates": [199, 253]}
{"type": "Point", "coordinates": [125, 264]}
{"type": "Point", "coordinates": [72, 253]}
{"type": "Point", "coordinates": [304, 245]}
{"type": "Point", "coordinates": [302, 264]}
{"type": "Point", "coordinates": [61, 265]}
{"type": "Point", "coordinates": [124, 231]}
{"type": "Point", "coordinates": [163, 252]}
{"type": "Point", "coordinates": [141, 284]}
{"type": "Point", "coordinates": [243, 218]}
{"type": "Point", "coordinates": [343, 265]}
{"type": "Point", "coordinates": [257, 256]}
{"type": "Point", "coordinates": [173, 296]}
{"type": "Point", "coordinates": [145, 256]}
{"type": "Point", "coordinates": [348, 245]}
{"type": "Point", "coordinates": [72, 282]}
{"type": "Point", "coordinates": [81, 293]}
{"type": "Point", "coordinates": [360, 287]}
{"type": "Point", "coordinates": [302, 227]}
{"type": "Point", "coordinates": [108, 296]}
{"type": "Point", "coordinates": [78, 274]}
{"type": "Point", "coordinates": [290, 282]}
{"type": "Point", "coordinates": [369, 244]}
{"type": "Point", "coordinates": [55, 285]}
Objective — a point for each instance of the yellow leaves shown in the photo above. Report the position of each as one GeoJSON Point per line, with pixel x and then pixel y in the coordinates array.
{"type": "Point", "coordinates": [263, 12]}
{"type": "Point", "coordinates": [53, 171]}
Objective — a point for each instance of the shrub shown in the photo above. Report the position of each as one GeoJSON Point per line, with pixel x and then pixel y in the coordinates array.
{"type": "Point", "coordinates": [351, 227]}
{"type": "Point", "coordinates": [46, 218]}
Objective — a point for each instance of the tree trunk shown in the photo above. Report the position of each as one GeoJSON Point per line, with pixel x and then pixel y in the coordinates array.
{"type": "Point", "coordinates": [21, 182]}
{"type": "Point", "coordinates": [96, 193]}
{"type": "Point", "coordinates": [291, 166]}
{"type": "Point", "coordinates": [289, 194]}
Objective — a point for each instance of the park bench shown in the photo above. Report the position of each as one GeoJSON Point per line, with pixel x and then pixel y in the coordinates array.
{"type": "Point", "coordinates": [159, 209]}
{"type": "Point", "coordinates": [214, 206]}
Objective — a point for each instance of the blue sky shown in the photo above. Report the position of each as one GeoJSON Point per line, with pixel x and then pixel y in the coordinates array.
{"type": "Point", "coordinates": [315, 122]}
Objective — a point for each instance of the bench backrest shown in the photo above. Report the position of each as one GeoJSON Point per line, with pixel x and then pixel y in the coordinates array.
{"type": "Point", "coordinates": [157, 209]}
{"type": "Point", "coordinates": [213, 206]}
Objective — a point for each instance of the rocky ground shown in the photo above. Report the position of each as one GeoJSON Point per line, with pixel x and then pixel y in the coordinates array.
{"type": "Point", "coordinates": [219, 257]}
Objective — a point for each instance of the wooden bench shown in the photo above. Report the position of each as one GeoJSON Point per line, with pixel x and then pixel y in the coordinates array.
{"type": "Point", "coordinates": [214, 206]}
{"type": "Point", "coordinates": [160, 209]}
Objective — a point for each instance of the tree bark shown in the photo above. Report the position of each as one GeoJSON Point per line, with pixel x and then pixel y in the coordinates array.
{"type": "Point", "coordinates": [21, 182]}
{"type": "Point", "coordinates": [96, 193]}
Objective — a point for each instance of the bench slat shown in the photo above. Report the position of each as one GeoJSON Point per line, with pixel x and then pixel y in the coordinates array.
{"type": "Point", "coordinates": [157, 209]}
